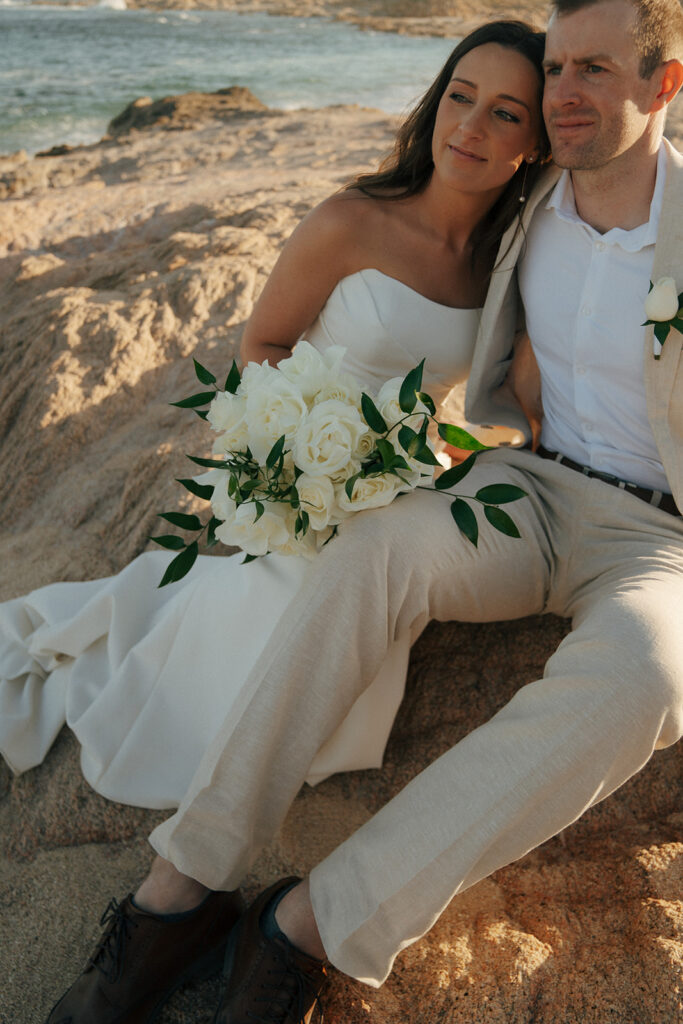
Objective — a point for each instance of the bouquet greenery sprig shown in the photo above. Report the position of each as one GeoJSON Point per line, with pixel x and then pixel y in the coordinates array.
{"type": "Point", "coordinates": [301, 448]}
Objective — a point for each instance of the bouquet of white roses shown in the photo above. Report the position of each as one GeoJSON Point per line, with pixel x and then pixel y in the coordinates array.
{"type": "Point", "coordinates": [300, 448]}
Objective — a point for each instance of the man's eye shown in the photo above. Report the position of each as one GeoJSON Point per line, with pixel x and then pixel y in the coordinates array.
{"type": "Point", "coordinates": [552, 70]}
{"type": "Point", "coordinates": [594, 69]}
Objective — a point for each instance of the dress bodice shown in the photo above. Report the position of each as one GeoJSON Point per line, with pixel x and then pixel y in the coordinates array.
{"type": "Point", "coordinates": [387, 328]}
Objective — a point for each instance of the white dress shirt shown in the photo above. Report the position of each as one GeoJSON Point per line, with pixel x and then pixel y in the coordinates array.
{"type": "Point", "coordinates": [584, 295]}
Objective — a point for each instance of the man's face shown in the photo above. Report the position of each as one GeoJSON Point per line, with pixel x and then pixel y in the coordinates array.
{"type": "Point", "coordinates": [595, 104]}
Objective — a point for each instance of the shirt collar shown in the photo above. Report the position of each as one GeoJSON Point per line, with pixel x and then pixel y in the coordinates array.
{"type": "Point", "coordinates": [563, 203]}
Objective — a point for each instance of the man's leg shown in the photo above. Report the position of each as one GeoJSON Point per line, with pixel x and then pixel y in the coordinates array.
{"type": "Point", "coordinates": [611, 694]}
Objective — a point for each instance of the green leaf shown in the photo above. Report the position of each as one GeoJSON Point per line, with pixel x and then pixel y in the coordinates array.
{"type": "Point", "coordinates": [200, 490]}
{"type": "Point", "coordinates": [427, 401]}
{"type": "Point", "coordinates": [427, 456]}
{"type": "Point", "coordinates": [249, 558]}
{"type": "Point", "coordinates": [460, 438]}
{"type": "Point", "coordinates": [301, 524]}
{"type": "Point", "coordinates": [233, 379]}
{"type": "Point", "coordinates": [260, 509]}
{"type": "Point", "coordinates": [501, 521]}
{"type": "Point", "coordinates": [181, 519]}
{"type": "Point", "coordinates": [202, 413]}
{"type": "Point", "coordinates": [209, 463]}
{"type": "Point", "coordinates": [455, 474]}
{"type": "Point", "coordinates": [677, 323]}
{"type": "Point", "coordinates": [204, 376]}
{"type": "Point", "coordinates": [662, 331]}
{"type": "Point", "coordinates": [500, 494]}
{"type": "Point", "coordinates": [201, 398]}
{"type": "Point", "coordinates": [248, 486]}
{"type": "Point", "coordinates": [409, 440]}
{"type": "Point", "coordinates": [350, 483]}
{"type": "Point", "coordinates": [275, 452]}
{"type": "Point", "coordinates": [465, 519]}
{"type": "Point", "coordinates": [412, 382]}
{"type": "Point", "coordinates": [386, 451]}
{"type": "Point", "coordinates": [181, 564]}
{"type": "Point", "coordinates": [372, 415]}
{"type": "Point", "coordinates": [170, 541]}
{"type": "Point", "coordinates": [211, 538]}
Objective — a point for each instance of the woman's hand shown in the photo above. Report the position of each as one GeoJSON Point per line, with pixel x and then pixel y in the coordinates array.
{"type": "Point", "coordinates": [524, 381]}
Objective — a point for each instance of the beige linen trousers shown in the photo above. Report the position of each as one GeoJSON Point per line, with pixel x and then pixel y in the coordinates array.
{"type": "Point", "coordinates": [610, 695]}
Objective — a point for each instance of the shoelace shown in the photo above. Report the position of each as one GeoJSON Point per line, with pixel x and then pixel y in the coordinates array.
{"type": "Point", "coordinates": [108, 955]}
{"type": "Point", "coordinates": [289, 995]}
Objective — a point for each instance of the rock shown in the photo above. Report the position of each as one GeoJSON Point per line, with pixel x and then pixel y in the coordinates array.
{"type": "Point", "coordinates": [184, 111]}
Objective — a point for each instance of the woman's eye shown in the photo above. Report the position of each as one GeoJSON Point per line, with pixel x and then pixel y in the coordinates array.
{"type": "Point", "coordinates": [506, 115]}
{"type": "Point", "coordinates": [459, 97]}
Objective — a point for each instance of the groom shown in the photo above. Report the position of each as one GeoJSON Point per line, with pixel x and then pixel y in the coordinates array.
{"type": "Point", "coordinates": [595, 547]}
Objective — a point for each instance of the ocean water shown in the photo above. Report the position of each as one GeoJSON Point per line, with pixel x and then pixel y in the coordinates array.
{"type": "Point", "coordinates": [65, 71]}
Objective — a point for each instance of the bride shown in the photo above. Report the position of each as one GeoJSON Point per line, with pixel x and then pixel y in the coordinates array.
{"type": "Point", "coordinates": [395, 268]}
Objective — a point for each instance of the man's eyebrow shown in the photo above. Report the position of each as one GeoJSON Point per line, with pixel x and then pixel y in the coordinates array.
{"type": "Point", "coordinates": [591, 58]}
{"type": "Point", "coordinates": [501, 95]}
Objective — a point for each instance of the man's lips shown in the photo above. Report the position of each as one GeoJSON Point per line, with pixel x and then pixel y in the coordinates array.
{"type": "Point", "coordinates": [566, 127]}
{"type": "Point", "coordinates": [466, 153]}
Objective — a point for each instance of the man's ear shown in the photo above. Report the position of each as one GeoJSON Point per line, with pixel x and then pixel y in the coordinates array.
{"type": "Point", "coordinates": [670, 81]}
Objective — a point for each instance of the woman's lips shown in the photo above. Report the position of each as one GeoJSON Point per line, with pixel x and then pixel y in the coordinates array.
{"type": "Point", "coordinates": [466, 154]}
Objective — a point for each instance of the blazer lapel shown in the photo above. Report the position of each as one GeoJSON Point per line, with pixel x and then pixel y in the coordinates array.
{"type": "Point", "coordinates": [668, 262]}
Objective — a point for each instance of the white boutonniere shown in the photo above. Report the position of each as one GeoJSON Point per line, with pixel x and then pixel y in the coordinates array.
{"type": "Point", "coordinates": [663, 309]}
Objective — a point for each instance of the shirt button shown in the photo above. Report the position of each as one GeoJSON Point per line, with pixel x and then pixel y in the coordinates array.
{"type": "Point", "coordinates": [588, 428]}
{"type": "Point", "coordinates": [600, 246]}
{"type": "Point", "coordinates": [581, 370]}
{"type": "Point", "coordinates": [586, 310]}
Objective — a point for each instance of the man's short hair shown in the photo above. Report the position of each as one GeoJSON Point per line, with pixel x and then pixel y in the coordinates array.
{"type": "Point", "coordinates": [659, 29]}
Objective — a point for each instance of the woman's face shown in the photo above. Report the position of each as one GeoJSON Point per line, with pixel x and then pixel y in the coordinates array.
{"type": "Point", "coordinates": [488, 120]}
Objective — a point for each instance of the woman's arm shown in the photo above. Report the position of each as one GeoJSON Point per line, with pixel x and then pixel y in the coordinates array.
{"type": "Point", "coordinates": [324, 248]}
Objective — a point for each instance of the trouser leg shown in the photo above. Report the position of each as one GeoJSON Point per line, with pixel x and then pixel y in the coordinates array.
{"type": "Point", "coordinates": [384, 574]}
{"type": "Point", "coordinates": [611, 694]}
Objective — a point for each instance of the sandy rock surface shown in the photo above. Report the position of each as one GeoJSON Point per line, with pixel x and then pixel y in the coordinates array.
{"type": "Point", "coordinates": [118, 263]}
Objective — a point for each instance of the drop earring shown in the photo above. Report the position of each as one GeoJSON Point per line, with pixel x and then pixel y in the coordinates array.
{"type": "Point", "coordinates": [522, 194]}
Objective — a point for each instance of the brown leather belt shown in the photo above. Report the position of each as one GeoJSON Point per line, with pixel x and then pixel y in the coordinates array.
{"type": "Point", "coordinates": [657, 498]}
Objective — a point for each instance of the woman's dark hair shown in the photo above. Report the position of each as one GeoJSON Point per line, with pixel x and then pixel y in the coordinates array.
{"type": "Point", "coordinates": [407, 170]}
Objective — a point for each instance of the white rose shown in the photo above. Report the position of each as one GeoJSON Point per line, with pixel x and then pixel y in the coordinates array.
{"type": "Point", "coordinates": [327, 438]}
{"type": "Point", "coordinates": [342, 475]}
{"type": "Point", "coordinates": [371, 492]}
{"type": "Point", "coordinates": [256, 375]}
{"type": "Point", "coordinates": [340, 387]}
{"type": "Point", "coordinates": [366, 444]}
{"type": "Point", "coordinates": [388, 405]}
{"type": "Point", "coordinates": [268, 533]}
{"type": "Point", "coordinates": [316, 495]}
{"type": "Point", "coordinates": [305, 546]}
{"type": "Point", "coordinates": [271, 411]}
{"type": "Point", "coordinates": [222, 505]}
{"type": "Point", "coordinates": [226, 414]}
{"type": "Point", "coordinates": [306, 369]}
{"type": "Point", "coordinates": [662, 302]}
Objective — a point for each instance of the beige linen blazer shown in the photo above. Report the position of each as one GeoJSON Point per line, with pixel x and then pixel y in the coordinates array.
{"type": "Point", "coordinates": [486, 403]}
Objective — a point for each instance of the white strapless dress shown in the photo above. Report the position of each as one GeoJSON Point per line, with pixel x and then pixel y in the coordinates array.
{"type": "Point", "coordinates": [144, 677]}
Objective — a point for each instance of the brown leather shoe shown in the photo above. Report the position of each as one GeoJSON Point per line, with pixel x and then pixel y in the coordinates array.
{"type": "Point", "coordinates": [141, 959]}
{"type": "Point", "coordinates": [268, 980]}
